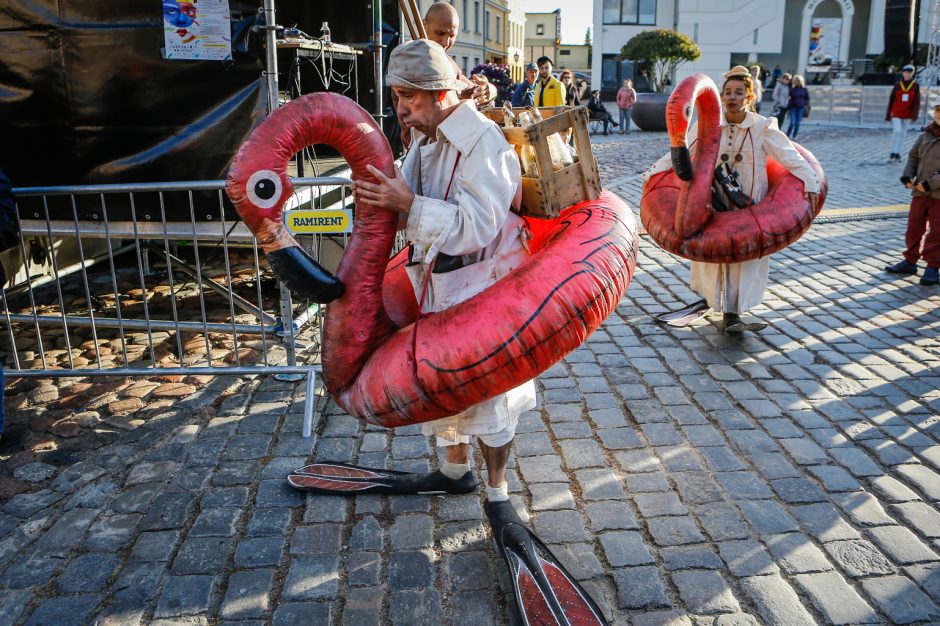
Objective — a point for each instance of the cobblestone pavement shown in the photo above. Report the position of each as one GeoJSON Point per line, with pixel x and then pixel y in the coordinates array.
{"type": "Point", "coordinates": [785, 477]}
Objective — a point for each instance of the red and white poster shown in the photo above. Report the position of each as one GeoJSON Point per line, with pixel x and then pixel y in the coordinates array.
{"type": "Point", "coordinates": [824, 40]}
{"type": "Point", "coordinates": [197, 29]}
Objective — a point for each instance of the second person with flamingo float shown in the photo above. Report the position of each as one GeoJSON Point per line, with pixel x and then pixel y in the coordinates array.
{"type": "Point", "coordinates": [746, 139]}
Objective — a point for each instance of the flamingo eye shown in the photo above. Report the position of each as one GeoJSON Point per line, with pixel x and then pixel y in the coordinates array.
{"type": "Point", "coordinates": [688, 111]}
{"type": "Point", "coordinates": [264, 189]}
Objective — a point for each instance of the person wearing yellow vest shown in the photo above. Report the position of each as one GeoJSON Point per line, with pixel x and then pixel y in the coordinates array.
{"type": "Point", "coordinates": [549, 91]}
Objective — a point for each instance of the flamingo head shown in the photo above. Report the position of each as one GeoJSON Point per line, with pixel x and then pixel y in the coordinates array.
{"type": "Point", "coordinates": [695, 91]}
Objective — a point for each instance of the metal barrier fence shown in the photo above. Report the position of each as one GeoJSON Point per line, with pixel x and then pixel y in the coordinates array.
{"type": "Point", "coordinates": [107, 285]}
{"type": "Point", "coordinates": [860, 105]}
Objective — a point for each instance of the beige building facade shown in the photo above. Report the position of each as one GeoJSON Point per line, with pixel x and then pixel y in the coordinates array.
{"type": "Point", "coordinates": [574, 57]}
{"type": "Point", "coordinates": [542, 35]}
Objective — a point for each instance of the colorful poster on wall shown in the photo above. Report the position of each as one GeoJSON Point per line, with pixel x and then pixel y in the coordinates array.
{"type": "Point", "coordinates": [824, 40]}
{"type": "Point", "coordinates": [197, 29]}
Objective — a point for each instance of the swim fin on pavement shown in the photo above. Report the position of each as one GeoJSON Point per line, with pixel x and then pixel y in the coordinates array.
{"type": "Point", "coordinates": [343, 479]}
{"type": "Point", "coordinates": [546, 593]}
{"type": "Point", "coordinates": [685, 315]}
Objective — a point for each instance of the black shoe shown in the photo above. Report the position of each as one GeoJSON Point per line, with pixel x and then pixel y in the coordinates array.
{"type": "Point", "coordinates": [931, 277]}
{"type": "Point", "coordinates": [734, 324]}
{"type": "Point", "coordinates": [343, 479]}
{"type": "Point", "coordinates": [902, 267]}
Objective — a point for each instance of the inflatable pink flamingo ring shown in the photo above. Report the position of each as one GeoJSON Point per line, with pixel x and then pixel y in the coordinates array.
{"type": "Point", "coordinates": [384, 363]}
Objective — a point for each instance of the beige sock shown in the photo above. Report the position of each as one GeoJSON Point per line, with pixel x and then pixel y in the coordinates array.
{"type": "Point", "coordinates": [454, 470]}
{"type": "Point", "coordinates": [498, 494]}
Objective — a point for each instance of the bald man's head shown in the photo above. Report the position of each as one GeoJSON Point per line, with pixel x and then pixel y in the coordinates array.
{"type": "Point", "coordinates": [441, 22]}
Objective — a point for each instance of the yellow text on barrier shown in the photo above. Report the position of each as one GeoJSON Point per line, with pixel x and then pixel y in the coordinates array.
{"type": "Point", "coordinates": [327, 221]}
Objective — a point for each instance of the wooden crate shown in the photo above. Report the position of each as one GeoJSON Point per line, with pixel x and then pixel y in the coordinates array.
{"type": "Point", "coordinates": [553, 191]}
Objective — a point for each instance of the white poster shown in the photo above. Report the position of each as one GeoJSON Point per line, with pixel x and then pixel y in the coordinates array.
{"type": "Point", "coordinates": [824, 40]}
{"type": "Point", "coordinates": [197, 29]}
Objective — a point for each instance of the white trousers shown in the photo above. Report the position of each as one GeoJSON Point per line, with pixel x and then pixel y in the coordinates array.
{"type": "Point", "coordinates": [493, 440]}
{"type": "Point", "coordinates": [899, 126]}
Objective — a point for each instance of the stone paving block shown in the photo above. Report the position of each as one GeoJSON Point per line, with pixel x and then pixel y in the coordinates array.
{"type": "Point", "coordinates": [901, 545]}
{"type": "Point", "coordinates": [363, 568]}
{"type": "Point", "coordinates": [747, 558]}
{"type": "Point", "coordinates": [674, 531]}
{"type": "Point", "coordinates": [560, 527]}
{"type": "Point", "coordinates": [224, 497]}
{"type": "Point", "coordinates": [835, 599]}
{"type": "Point", "coordinates": [185, 595]}
{"type": "Point", "coordinates": [277, 494]}
{"type": "Point", "coordinates": [776, 601]}
{"type": "Point", "coordinates": [796, 554]}
{"type": "Point", "coordinates": [421, 606]}
{"type": "Point", "coordinates": [248, 594]}
{"type": "Point", "coordinates": [690, 557]}
{"type": "Point", "coordinates": [460, 507]}
{"type": "Point", "coordinates": [611, 515]}
{"type": "Point", "coordinates": [202, 555]}
{"type": "Point", "coordinates": [923, 478]}
{"type": "Point", "coordinates": [661, 618]}
{"type": "Point", "coordinates": [269, 522]}
{"type": "Point", "coordinates": [919, 516]}
{"type": "Point", "coordinates": [112, 532]}
{"type": "Point", "coordinates": [293, 613]}
{"type": "Point", "coordinates": [798, 490]}
{"type": "Point", "coordinates": [701, 435]}
{"type": "Point", "coordinates": [859, 558]}
{"type": "Point", "coordinates": [862, 508]}
{"type": "Point", "coordinates": [608, 418]}
{"type": "Point", "coordinates": [155, 546]}
{"type": "Point", "coordinates": [216, 522]}
{"type": "Point", "coordinates": [659, 434]}
{"type": "Point", "coordinates": [743, 485]}
{"type": "Point", "coordinates": [317, 539]}
{"type": "Point", "coordinates": [721, 459]}
{"type": "Point", "coordinates": [640, 588]}
{"type": "Point", "coordinates": [892, 490]}
{"type": "Point", "coordinates": [566, 412]}
{"type": "Point", "coordinates": [767, 517]}
{"type": "Point", "coordinates": [580, 453]}
{"type": "Point", "coordinates": [551, 496]}
{"type": "Point", "coordinates": [167, 512]}
{"type": "Point", "coordinates": [856, 461]}
{"type": "Point", "coordinates": [541, 469]}
{"type": "Point", "coordinates": [637, 461]}
{"type": "Point", "coordinates": [468, 570]}
{"type": "Point", "coordinates": [63, 610]}
{"type": "Point", "coordinates": [834, 479]}
{"type": "Point", "coordinates": [679, 459]}
{"type": "Point", "coordinates": [900, 600]}
{"type": "Point", "coordinates": [657, 504]}
{"type": "Point", "coordinates": [625, 548]}
{"type": "Point", "coordinates": [13, 603]}
{"type": "Point", "coordinates": [88, 572]}
{"type": "Point", "coordinates": [312, 578]}
{"type": "Point", "coordinates": [411, 569]}
{"type": "Point", "coordinates": [408, 531]}
{"type": "Point", "coordinates": [580, 561]}
{"type": "Point", "coordinates": [824, 522]}
{"type": "Point", "coordinates": [752, 441]}
{"type": "Point", "coordinates": [235, 473]}
{"type": "Point", "coordinates": [468, 535]}
{"type": "Point", "coordinates": [259, 552]}
{"type": "Point", "coordinates": [927, 575]}
{"type": "Point", "coordinates": [705, 592]}
{"type": "Point", "coordinates": [697, 487]}
{"type": "Point", "coordinates": [600, 484]}
{"type": "Point", "coordinates": [648, 483]}
{"type": "Point", "coordinates": [571, 430]}
{"type": "Point", "coordinates": [620, 438]}
{"type": "Point", "coordinates": [721, 521]}
{"type": "Point", "coordinates": [532, 444]}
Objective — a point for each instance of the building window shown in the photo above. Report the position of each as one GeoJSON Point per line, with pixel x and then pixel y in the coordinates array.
{"type": "Point", "coordinates": [564, 53]}
{"type": "Point", "coordinates": [629, 12]}
{"type": "Point", "coordinates": [465, 71]}
{"type": "Point", "coordinates": [486, 25]}
{"type": "Point", "coordinates": [464, 17]}
{"type": "Point", "coordinates": [476, 17]}
{"type": "Point", "coordinates": [755, 35]}
{"type": "Point", "coordinates": [499, 29]}
{"type": "Point", "coordinates": [540, 29]}
{"type": "Point", "coordinates": [476, 61]}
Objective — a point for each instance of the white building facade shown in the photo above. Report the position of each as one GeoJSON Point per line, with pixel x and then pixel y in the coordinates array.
{"type": "Point", "coordinates": [731, 32]}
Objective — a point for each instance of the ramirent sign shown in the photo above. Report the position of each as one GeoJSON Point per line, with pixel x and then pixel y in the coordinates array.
{"type": "Point", "coordinates": [323, 221]}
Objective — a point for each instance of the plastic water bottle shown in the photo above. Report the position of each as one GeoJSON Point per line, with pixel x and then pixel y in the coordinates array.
{"type": "Point", "coordinates": [325, 33]}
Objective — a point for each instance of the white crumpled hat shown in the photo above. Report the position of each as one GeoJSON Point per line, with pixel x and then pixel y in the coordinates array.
{"type": "Point", "coordinates": [422, 64]}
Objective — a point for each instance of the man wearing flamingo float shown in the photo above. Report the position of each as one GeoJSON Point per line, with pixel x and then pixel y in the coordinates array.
{"type": "Point", "coordinates": [729, 211]}
{"type": "Point", "coordinates": [452, 331]}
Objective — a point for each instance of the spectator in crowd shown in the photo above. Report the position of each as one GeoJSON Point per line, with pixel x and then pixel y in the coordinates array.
{"type": "Point", "coordinates": [781, 99]}
{"type": "Point", "coordinates": [775, 75]}
{"type": "Point", "coordinates": [549, 92]}
{"type": "Point", "coordinates": [798, 105]}
{"type": "Point", "coordinates": [922, 176]}
{"type": "Point", "coordinates": [598, 111]}
{"type": "Point", "coordinates": [903, 106]}
{"type": "Point", "coordinates": [524, 94]}
{"type": "Point", "coordinates": [572, 97]}
{"type": "Point", "coordinates": [626, 98]}
{"type": "Point", "coordinates": [758, 87]}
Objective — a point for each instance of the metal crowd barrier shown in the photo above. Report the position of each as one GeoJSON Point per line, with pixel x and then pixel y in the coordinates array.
{"type": "Point", "coordinates": [860, 105]}
{"type": "Point", "coordinates": [106, 285]}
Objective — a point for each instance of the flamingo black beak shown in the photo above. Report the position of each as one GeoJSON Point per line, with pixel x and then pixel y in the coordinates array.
{"type": "Point", "coordinates": [304, 276]}
{"type": "Point", "coordinates": [681, 162]}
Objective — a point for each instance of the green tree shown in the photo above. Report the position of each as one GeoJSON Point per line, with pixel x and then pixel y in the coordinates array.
{"type": "Point", "coordinates": [587, 37]}
{"type": "Point", "coordinates": [661, 52]}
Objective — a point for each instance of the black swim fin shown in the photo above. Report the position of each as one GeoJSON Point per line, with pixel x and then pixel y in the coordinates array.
{"type": "Point", "coordinates": [546, 593]}
{"type": "Point", "coordinates": [685, 315]}
{"type": "Point", "coordinates": [343, 479]}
